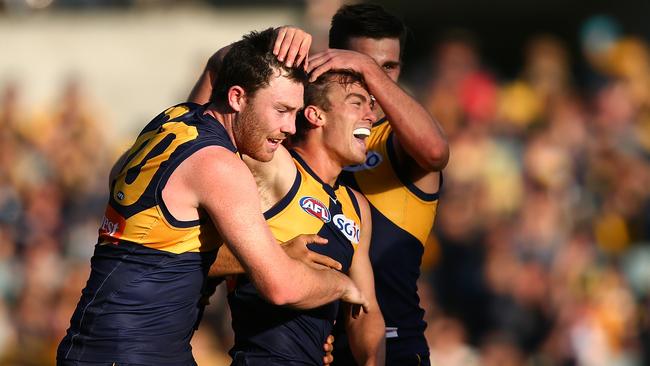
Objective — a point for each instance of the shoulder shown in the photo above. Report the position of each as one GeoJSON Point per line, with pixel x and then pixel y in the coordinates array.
{"type": "Point", "coordinates": [213, 161]}
{"type": "Point", "coordinates": [364, 206]}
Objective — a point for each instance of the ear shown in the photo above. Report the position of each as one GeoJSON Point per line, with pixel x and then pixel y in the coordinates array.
{"type": "Point", "coordinates": [314, 115]}
{"type": "Point", "coordinates": [236, 98]}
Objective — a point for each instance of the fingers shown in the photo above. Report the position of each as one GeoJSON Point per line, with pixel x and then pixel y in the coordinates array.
{"type": "Point", "coordinates": [304, 239]}
{"type": "Point", "coordinates": [320, 70]}
{"type": "Point", "coordinates": [286, 44]}
{"type": "Point", "coordinates": [298, 49]}
{"type": "Point", "coordinates": [324, 260]}
{"type": "Point", "coordinates": [315, 239]}
{"type": "Point", "coordinates": [292, 46]}
{"type": "Point", "coordinates": [317, 60]}
{"type": "Point", "coordinates": [330, 341]}
{"type": "Point", "coordinates": [278, 41]}
{"type": "Point", "coordinates": [303, 52]}
{"type": "Point", "coordinates": [328, 347]}
{"type": "Point", "coordinates": [355, 309]}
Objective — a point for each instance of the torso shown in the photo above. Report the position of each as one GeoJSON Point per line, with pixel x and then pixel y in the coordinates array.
{"type": "Point", "coordinates": [272, 333]}
{"type": "Point", "coordinates": [137, 211]}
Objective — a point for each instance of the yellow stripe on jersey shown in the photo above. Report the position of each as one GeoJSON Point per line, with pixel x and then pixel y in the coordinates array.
{"type": "Point", "coordinates": [136, 212]}
{"type": "Point", "coordinates": [305, 210]}
{"type": "Point", "coordinates": [396, 198]}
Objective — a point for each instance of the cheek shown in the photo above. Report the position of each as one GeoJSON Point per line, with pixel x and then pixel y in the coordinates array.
{"type": "Point", "coordinates": [394, 74]}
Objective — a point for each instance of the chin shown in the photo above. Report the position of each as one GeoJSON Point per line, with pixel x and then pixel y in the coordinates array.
{"type": "Point", "coordinates": [262, 157]}
{"type": "Point", "coordinates": [357, 160]}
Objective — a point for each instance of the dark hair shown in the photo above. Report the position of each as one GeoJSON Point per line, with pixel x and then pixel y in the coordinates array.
{"type": "Point", "coordinates": [316, 94]}
{"type": "Point", "coordinates": [365, 20]}
{"type": "Point", "coordinates": [250, 63]}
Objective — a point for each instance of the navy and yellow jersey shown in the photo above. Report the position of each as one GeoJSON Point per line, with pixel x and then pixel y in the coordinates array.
{"type": "Point", "coordinates": [266, 334]}
{"type": "Point", "coordinates": [136, 212]}
{"type": "Point", "coordinates": [142, 300]}
{"type": "Point", "coordinates": [402, 217]}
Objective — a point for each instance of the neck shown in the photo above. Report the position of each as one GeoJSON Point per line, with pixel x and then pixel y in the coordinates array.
{"type": "Point", "coordinates": [225, 116]}
{"type": "Point", "coordinates": [319, 160]}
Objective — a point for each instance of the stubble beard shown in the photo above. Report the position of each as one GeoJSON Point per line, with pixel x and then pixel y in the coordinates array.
{"type": "Point", "coordinates": [249, 135]}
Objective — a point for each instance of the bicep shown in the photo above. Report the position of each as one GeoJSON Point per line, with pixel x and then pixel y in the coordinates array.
{"type": "Point", "coordinates": [226, 190]}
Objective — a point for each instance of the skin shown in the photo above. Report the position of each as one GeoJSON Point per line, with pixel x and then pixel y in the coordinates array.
{"type": "Point", "coordinates": [419, 142]}
{"type": "Point", "coordinates": [296, 49]}
{"type": "Point", "coordinates": [291, 45]}
{"type": "Point", "coordinates": [328, 147]}
{"type": "Point", "coordinates": [216, 181]}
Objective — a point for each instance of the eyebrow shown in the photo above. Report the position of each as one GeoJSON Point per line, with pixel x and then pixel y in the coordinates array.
{"type": "Point", "coordinates": [287, 107]}
{"type": "Point", "coordinates": [357, 95]}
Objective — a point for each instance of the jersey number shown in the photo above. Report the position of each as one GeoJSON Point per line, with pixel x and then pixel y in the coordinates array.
{"type": "Point", "coordinates": [150, 151]}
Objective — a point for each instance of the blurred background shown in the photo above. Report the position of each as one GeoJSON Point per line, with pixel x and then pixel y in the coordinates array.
{"type": "Point", "coordinates": [541, 250]}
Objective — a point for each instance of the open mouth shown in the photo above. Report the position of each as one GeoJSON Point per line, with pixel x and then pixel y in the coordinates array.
{"type": "Point", "coordinates": [274, 142]}
{"type": "Point", "coordinates": [361, 133]}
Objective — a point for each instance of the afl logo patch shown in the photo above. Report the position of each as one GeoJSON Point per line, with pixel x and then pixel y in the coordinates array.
{"type": "Point", "coordinates": [373, 159]}
{"type": "Point", "coordinates": [315, 208]}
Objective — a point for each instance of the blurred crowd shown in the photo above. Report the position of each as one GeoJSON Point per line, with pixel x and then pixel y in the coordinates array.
{"type": "Point", "coordinates": [541, 252]}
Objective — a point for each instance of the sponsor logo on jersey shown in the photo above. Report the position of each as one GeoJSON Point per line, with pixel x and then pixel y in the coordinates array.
{"type": "Point", "coordinates": [112, 226]}
{"type": "Point", "coordinates": [348, 227]}
{"type": "Point", "coordinates": [373, 159]}
{"type": "Point", "coordinates": [315, 208]}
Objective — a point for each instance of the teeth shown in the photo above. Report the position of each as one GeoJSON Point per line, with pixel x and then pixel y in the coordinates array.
{"type": "Point", "coordinates": [361, 132]}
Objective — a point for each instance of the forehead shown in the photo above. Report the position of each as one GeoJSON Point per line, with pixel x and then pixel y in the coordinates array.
{"type": "Point", "coordinates": [381, 50]}
{"type": "Point", "coordinates": [343, 90]}
{"type": "Point", "coordinates": [283, 90]}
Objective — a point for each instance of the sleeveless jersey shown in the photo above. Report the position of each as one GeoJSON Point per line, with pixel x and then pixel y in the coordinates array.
{"type": "Point", "coordinates": [136, 212]}
{"type": "Point", "coordinates": [402, 217]}
{"type": "Point", "coordinates": [267, 334]}
{"type": "Point", "coordinates": [142, 300]}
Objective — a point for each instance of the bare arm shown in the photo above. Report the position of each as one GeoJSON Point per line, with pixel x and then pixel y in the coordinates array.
{"type": "Point", "coordinates": [291, 45]}
{"type": "Point", "coordinates": [418, 135]}
{"type": "Point", "coordinates": [367, 333]}
{"type": "Point", "coordinates": [296, 248]}
{"type": "Point", "coordinates": [203, 88]}
{"type": "Point", "coordinates": [225, 189]}
{"type": "Point", "coordinates": [274, 180]}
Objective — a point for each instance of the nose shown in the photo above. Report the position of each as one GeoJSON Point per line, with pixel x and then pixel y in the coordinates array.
{"type": "Point", "coordinates": [370, 116]}
{"type": "Point", "coordinates": [289, 127]}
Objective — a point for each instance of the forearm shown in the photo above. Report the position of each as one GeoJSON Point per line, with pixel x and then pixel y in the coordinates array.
{"type": "Point", "coordinates": [367, 337]}
{"type": "Point", "coordinates": [418, 132]}
{"type": "Point", "coordinates": [308, 288]}
{"type": "Point", "coordinates": [303, 287]}
{"type": "Point", "coordinates": [201, 91]}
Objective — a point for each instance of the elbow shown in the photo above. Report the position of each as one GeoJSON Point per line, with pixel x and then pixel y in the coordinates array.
{"type": "Point", "coordinates": [281, 293]}
{"type": "Point", "coordinates": [436, 157]}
